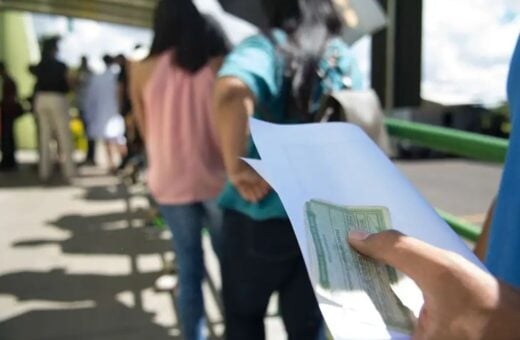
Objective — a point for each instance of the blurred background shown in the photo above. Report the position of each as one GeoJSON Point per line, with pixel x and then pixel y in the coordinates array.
{"type": "Point", "coordinates": [84, 261]}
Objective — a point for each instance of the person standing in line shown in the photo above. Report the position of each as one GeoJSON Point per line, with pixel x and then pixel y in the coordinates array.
{"type": "Point", "coordinates": [52, 110]}
{"type": "Point", "coordinates": [10, 109]}
{"type": "Point", "coordinates": [134, 143]}
{"type": "Point", "coordinates": [274, 77]}
{"type": "Point", "coordinates": [102, 113]}
{"type": "Point", "coordinates": [83, 76]}
{"type": "Point", "coordinates": [172, 91]}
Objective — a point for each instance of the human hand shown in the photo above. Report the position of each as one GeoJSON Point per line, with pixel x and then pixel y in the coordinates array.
{"type": "Point", "coordinates": [461, 301]}
{"type": "Point", "coordinates": [251, 186]}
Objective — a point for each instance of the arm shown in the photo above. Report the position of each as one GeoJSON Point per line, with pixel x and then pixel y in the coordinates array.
{"type": "Point", "coordinates": [70, 78]}
{"type": "Point", "coordinates": [461, 300]}
{"type": "Point", "coordinates": [10, 91]}
{"type": "Point", "coordinates": [482, 243]}
{"type": "Point", "coordinates": [234, 103]}
{"type": "Point", "coordinates": [136, 98]}
{"type": "Point", "coordinates": [121, 96]}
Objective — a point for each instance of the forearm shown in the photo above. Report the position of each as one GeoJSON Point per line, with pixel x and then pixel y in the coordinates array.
{"type": "Point", "coordinates": [505, 319]}
{"type": "Point", "coordinates": [482, 243]}
{"type": "Point", "coordinates": [232, 108]}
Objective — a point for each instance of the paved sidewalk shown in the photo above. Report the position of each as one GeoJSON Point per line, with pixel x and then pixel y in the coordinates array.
{"type": "Point", "coordinates": [79, 263]}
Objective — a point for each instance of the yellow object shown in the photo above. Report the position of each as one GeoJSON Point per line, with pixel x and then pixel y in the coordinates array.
{"type": "Point", "coordinates": [26, 133]}
{"type": "Point", "coordinates": [78, 134]}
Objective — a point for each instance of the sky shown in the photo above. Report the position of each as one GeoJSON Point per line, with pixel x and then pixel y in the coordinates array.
{"type": "Point", "coordinates": [467, 45]}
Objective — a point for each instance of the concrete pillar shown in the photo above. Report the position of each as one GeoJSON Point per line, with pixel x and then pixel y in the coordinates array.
{"type": "Point", "coordinates": [397, 55]}
{"type": "Point", "coordinates": [18, 48]}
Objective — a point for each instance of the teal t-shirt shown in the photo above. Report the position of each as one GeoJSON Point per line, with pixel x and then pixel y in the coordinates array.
{"type": "Point", "coordinates": [256, 62]}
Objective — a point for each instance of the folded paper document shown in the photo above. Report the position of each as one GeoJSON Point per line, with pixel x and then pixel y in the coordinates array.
{"type": "Point", "coordinates": [309, 164]}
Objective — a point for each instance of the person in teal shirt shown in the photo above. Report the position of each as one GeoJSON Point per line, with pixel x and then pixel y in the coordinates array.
{"type": "Point", "coordinates": [256, 63]}
{"type": "Point", "coordinates": [274, 77]}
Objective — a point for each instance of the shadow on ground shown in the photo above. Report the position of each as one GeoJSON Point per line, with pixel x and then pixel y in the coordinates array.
{"type": "Point", "coordinates": [92, 310]}
{"type": "Point", "coordinates": [104, 234]}
{"type": "Point", "coordinates": [26, 176]}
{"type": "Point", "coordinates": [105, 319]}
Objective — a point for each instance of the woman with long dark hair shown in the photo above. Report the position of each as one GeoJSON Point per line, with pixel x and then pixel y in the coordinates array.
{"type": "Point", "coordinates": [172, 94]}
{"type": "Point", "coordinates": [276, 76]}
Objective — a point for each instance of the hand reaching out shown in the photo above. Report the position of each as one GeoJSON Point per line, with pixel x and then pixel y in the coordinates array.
{"type": "Point", "coordinates": [251, 186]}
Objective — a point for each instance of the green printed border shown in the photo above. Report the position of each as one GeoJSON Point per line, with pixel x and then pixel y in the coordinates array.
{"type": "Point", "coordinates": [320, 250]}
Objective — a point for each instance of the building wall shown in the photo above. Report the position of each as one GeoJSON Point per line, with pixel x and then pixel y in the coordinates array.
{"type": "Point", "coordinates": [19, 49]}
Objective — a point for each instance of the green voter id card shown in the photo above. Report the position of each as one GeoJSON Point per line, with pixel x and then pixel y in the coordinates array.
{"type": "Point", "coordinates": [343, 273]}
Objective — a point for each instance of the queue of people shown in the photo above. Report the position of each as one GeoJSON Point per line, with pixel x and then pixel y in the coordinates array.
{"type": "Point", "coordinates": [270, 76]}
{"type": "Point", "coordinates": [102, 101]}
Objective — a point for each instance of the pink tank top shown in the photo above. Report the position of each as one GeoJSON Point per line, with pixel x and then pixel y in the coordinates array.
{"type": "Point", "coordinates": [184, 160]}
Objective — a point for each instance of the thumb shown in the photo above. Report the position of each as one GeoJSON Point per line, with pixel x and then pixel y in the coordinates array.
{"type": "Point", "coordinates": [417, 259]}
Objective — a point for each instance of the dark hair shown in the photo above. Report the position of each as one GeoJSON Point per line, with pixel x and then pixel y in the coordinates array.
{"type": "Point", "coordinates": [50, 47]}
{"type": "Point", "coordinates": [108, 60]}
{"type": "Point", "coordinates": [179, 25]}
{"type": "Point", "coordinates": [310, 25]}
{"type": "Point", "coordinates": [2, 66]}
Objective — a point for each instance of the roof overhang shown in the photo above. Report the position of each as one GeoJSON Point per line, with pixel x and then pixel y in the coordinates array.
{"type": "Point", "coordinates": [126, 12]}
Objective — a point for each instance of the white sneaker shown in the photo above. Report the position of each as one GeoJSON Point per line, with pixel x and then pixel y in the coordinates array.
{"type": "Point", "coordinates": [166, 282]}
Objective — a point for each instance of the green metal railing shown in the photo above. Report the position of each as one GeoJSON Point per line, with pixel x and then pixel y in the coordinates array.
{"type": "Point", "coordinates": [462, 227]}
{"type": "Point", "coordinates": [456, 142]}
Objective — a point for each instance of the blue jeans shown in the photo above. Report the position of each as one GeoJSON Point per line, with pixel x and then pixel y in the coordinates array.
{"type": "Point", "coordinates": [186, 222]}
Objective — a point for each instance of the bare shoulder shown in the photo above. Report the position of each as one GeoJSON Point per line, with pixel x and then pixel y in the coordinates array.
{"type": "Point", "coordinates": [141, 70]}
{"type": "Point", "coordinates": [216, 63]}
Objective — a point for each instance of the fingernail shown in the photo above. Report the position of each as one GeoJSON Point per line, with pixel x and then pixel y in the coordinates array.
{"type": "Point", "coordinates": [358, 235]}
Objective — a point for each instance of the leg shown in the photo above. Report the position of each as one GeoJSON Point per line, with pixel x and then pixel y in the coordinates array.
{"type": "Point", "coordinates": [62, 130]}
{"type": "Point", "coordinates": [45, 135]}
{"type": "Point", "coordinates": [8, 144]}
{"type": "Point", "coordinates": [110, 155]}
{"type": "Point", "coordinates": [91, 151]}
{"type": "Point", "coordinates": [91, 143]}
{"type": "Point", "coordinates": [249, 277]}
{"type": "Point", "coordinates": [185, 222]}
{"type": "Point", "coordinates": [213, 221]}
{"type": "Point", "coordinates": [300, 311]}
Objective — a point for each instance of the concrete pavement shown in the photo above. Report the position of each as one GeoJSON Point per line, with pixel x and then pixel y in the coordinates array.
{"type": "Point", "coordinates": [79, 262]}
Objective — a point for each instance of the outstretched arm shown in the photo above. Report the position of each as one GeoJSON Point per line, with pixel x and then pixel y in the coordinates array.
{"type": "Point", "coordinates": [234, 103]}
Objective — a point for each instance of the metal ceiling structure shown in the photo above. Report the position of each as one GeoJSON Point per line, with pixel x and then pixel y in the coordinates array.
{"type": "Point", "coordinates": [126, 12]}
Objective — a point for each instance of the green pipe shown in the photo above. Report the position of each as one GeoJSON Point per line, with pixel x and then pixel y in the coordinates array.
{"type": "Point", "coordinates": [462, 227]}
{"type": "Point", "coordinates": [456, 142]}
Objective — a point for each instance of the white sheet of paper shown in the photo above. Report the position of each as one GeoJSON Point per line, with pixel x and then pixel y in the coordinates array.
{"type": "Point", "coordinates": [337, 162]}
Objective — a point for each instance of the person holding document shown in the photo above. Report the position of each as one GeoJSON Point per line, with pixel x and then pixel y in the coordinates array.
{"type": "Point", "coordinates": [275, 77]}
{"type": "Point", "coordinates": [461, 300]}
